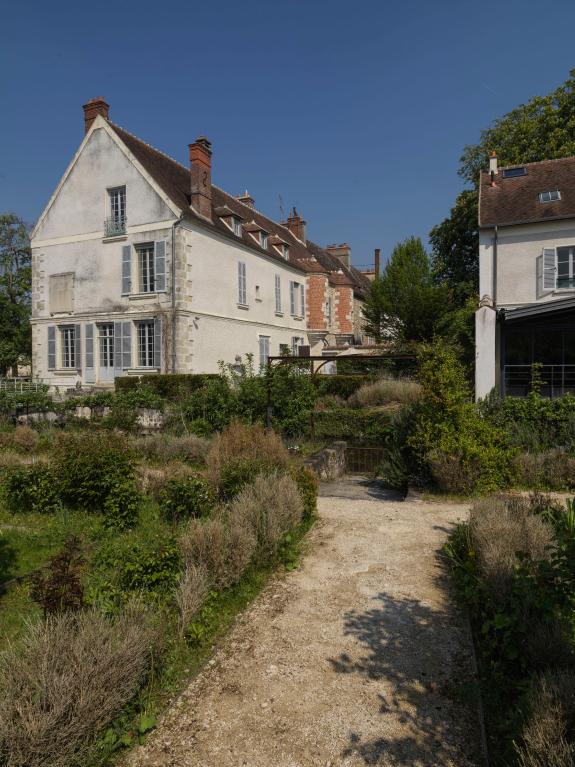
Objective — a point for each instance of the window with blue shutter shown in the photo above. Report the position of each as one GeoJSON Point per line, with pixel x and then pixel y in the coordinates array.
{"type": "Point", "coordinates": [292, 299]}
{"type": "Point", "coordinates": [126, 345]}
{"type": "Point", "coordinates": [78, 347]}
{"type": "Point", "coordinates": [158, 342]}
{"type": "Point", "coordinates": [242, 284]}
{"type": "Point", "coordinates": [302, 299]}
{"type": "Point", "coordinates": [89, 369]}
{"type": "Point", "coordinates": [278, 285]}
{"type": "Point", "coordinates": [160, 252]}
{"type": "Point", "coordinates": [549, 269]}
{"type": "Point", "coordinates": [126, 270]}
{"type": "Point", "coordinates": [51, 347]}
{"type": "Point", "coordinates": [118, 349]}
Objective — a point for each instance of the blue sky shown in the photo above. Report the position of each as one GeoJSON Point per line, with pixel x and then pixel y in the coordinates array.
{"type": "Point", "coordinates": [354, 112]}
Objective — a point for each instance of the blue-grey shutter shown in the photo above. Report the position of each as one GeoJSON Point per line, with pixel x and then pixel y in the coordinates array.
{"type": "Point", "coordinates": [158, 342]}
{"type": "Point", "coordinates": [126, 270]}
{"type": "Point", "coordinates": [302, 292]}
{"type": "Point", "coordinates": [278, 293]}
{"type": "Point", "coordinates": [549, 269]}
{"type": "Point", "coordinates": [118, 349]}
{"type": "Point", "coordinates": [126, 345]}
{"type": "Point", "coordinates": [160, 265]}
{"type": "Point", "coordinates": [51, 347]}
{"type": "Point", "coordinates": [78, 346]}
{"type": "Point", "coordinates": [292, 298]}
{"type": "Point", "coordinates": [89, 372]}
{"type": "Point", "coordinates": [242, 284]}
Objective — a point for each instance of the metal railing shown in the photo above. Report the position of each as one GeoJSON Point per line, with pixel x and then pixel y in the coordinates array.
{"type": "Point", "coordinates": [114, 227]}
{"type": "Point", "coordinates": [21, 384]}
{"type": "Point", "coordinates": [550, 380]}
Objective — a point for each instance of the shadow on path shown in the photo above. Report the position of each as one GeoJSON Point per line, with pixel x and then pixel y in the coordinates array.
{"type": "Point", "coordinates": [359, 488]}
{"type": "Point", "coordinates": [413, 650]}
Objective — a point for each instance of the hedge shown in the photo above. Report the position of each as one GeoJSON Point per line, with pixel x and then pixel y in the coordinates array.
{"type": "Point", "coordinates": [342, 385]}
{"type": "Point", "coordinates": [362, 425]}
{"type": "Point", "coordinates": [168, 385]}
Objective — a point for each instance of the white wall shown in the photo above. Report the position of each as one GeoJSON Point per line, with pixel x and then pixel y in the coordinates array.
{"type": "Point", "coordinates": [486, 358]}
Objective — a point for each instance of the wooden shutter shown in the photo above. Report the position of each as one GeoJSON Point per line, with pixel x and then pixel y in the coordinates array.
{"type": "Point", "coordinates": [160, 265]}
{"type": "Point", "coordinates": [278, 293]}
{"type": "Point", "coordinates": [78, 346]}
{"type": "Point", "coordinates": [126, 345]}
{"type": "Point", "coordinates": [51, 347]}
{"type": "Point", "coordinates": [302, 296]}
{"type": "Point", "coordinates": [242, 287]}
{"type": "Point", "coordinates": [292, 298]}
{"type": "Point", "coordinates": [126, 270]}
{"type": "Point", "coordinates": [118, 349]}
{"type": "Point", "coordinates": [158, 343]}
{"type": "Point", "coordinates": [549, 269]}
{"type": "Point", "coordinates": [89, 370]}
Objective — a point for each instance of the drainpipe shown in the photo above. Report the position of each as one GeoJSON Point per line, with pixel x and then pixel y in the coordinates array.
{"type": "Point", "coordinates": [495, 267]}
{"type": "Point", "coordinates": [174, 321]}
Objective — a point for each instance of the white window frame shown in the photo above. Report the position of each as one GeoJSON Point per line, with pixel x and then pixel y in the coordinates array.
{"type": "Point", "coordinates": [146, 343]}
{"type": "Point", "coordinates": [106, 342]}
{"type": "Point", "coordinates": [146, 261]}
{"type": "Point", "coordinates": [571, 276]}
{"type": "Point", "coordinates": [237, 226]}
{"type": "Point", "coordinates": [117, 200]}
{"type": "Point", "coordinates": [296, 342]}
{"type": "Point", "coordinates": [278, 293]}
{"type": "Point", "coordinates": [264, 240]}
{"type": "Point", "coordinates": [285, 250]}
{"type": "Point", "coordinates": [264, 349]}
{"type": "Point", "coordinates": [68, 347]}
{"type": "Point", "coordinates": [553, 195]}
{"type": "Point", "coordinates": [242, 284]}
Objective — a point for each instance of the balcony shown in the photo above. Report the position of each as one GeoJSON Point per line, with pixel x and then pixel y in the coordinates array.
{"type": "Point", "coordinates": [551, 380]}
{"type": "Point", "coordinates": [115, 227]}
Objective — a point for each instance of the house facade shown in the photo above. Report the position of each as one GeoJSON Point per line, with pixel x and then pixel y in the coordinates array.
{"type": "Point", "coordinates": [526, 315]}
{"type": "Point", "coordinates": [142, 265]}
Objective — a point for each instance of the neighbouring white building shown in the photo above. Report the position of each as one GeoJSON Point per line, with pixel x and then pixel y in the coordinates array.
{"type": "Point", "coordinates": [526, 315]}
{"type": "Point", "coordinates": [142, 265]}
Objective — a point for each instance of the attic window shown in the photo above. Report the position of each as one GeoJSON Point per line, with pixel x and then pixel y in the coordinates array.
{"type": "Point", "coordinates": [263, 240]}
{"type": "Point", "coordinates": [285, 250]}
{"type": "Point", "coordinates": [550, 196]}
{"type": "Point", "coordinates": [514, 172]}
{"type": "Point", "coordinates": [237, 226]}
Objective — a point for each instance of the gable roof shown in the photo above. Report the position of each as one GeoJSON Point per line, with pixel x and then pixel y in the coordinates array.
{"type": "Point", "coordinates": [175, 181]}
{"type": "Point", "coordinates": [516, 200]}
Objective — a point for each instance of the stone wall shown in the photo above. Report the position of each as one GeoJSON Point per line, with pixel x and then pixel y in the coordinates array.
{"type": "Point", "coordinates": [329, 463]}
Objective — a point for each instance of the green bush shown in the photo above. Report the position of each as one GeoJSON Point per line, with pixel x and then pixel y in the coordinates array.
{"type": "Point", "coordinates": [32, 400]}
{"type": "Point", "coordinates": [238, 472]}
{"type": "Point", "coordinates": [184, 497]}
{"type": "Point", "coordinates": [308, 486]}
{"type": "Point", "coordinates": [209, 408]}
{"type": "Point", "coordinates": [169, 385]}
{"type": "Point", "coordinates": [88, 465]}
{"type": "Point", "coordinates": [339, 385]}
{"type": "Point", "coordinates": [345, 423]}
{"type": "Point", "coordinates": [122, 506]}
{"type": "Point", "coordinates": [31, 488]}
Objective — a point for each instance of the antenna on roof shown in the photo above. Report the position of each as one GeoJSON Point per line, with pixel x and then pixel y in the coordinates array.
{"type": "Point", "coordinates": [281, 203]}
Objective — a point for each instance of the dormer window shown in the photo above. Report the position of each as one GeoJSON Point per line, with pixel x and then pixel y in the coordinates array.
{"type": "Point", "coordinates": [237, 226]}
{"type": "Point", "coordinates": [285, 250]}
{"type": "Point", "coordinates": [552, 196]}
{"type": "Point", "coordinates": [264, 240]}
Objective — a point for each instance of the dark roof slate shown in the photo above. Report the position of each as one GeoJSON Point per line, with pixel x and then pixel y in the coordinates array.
{"type": "Point", "coordinates": [516, 200]}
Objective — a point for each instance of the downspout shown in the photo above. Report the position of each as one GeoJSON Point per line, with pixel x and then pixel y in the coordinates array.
{"type": "Point", "coordinates": [174, 319]}
{"type": "Point", "coordinates": [494, 294]}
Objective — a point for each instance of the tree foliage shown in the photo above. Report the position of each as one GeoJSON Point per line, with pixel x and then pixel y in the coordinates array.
{"type": "Point", "coordinates": [15, 287]}
{"type": "Point", "coordinates": [404, 303]}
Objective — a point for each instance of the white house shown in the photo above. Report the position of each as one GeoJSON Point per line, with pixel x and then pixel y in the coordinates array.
{"type": "Point", "coordinates": [141, 265]}
{"type": "Point", "coordinates": [526, 278]}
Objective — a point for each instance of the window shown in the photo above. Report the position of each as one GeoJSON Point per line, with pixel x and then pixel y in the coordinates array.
{"type": "Point", "coordinates": [264, 350]}
{"type": "Point", "coordinates": [285, 251]}
{"type": "Point", "coordinates": [295, 344]}
{"type": "Point", "coordinates": [514, 172]}
{"type": "Point", "coordinates": [106, 333]}
{"type": "Point", "coordinates": [302, 299]}
{"type": "Point", "coordinates": [278, 294]}
{"type": "Point", "coordinates": [550, 196]}
{"type": "Point", "coordinates": [566, 267]}
{"type": "Point", "coordinates": [329, 310]}
{"type": "Point", "coordinates": [237, 226]}
{"type": "Point", "coordinates": [297, 299]}
{"type": "Point", "coordinates": [116, 223]}
{"type": "Point", "coordinates": [146, 344]}
{"type": "Point", "coordinates": [68, 346]}
{"type": "Point", "coordinates": [242, 284]}
{"type": "Point", "coordinates": [263, 240]}
{"type": "Point", "coordinates": [258, 294]}
{"type": "Point", "coordinates": [146, 271]}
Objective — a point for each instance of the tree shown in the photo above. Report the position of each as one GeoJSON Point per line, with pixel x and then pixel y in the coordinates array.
{"type": "Point", "coordinates": [405, 303]}
{"type": "Point", "coordinates": [15, 289]}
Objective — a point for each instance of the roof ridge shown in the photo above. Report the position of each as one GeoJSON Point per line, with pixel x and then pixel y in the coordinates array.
{"type": "Point", "coordinates": [150, 146]}
{"type": "Point", "coordinates": [534, 162]}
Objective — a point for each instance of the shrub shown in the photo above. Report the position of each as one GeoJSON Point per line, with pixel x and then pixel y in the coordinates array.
{"type": "Point", "coordinates": [189, 496]}
{"type": "Point", "coordinates": [162, 448]}
{"type": "Point", "coordinates": [238, 473]}
{"type": "Point", "coordinates": [548, 736]}
{"type": "Point", "coordinates": [329, 402]}
{"type": "Point", "coordinates": [502, 527]}
{"type": "Point", "coordinates": [209, 408]}
{"type": "Point", "coordinates": [122, 505]}
{"type": "Point", "coordinates": [190, 593]}
{"type": "Point", "coordinates": [71, 675]}
{"type": "Point", "coordinates": [339, 385]}
{"type": "Point", "coordinates": [32, 488]}
{"type": "Point", "coordinates": [308, 487]}
{"type": "Point", "coordinates": [270, 507]}
{"type": "Point", "coordinates": [59, 588]}
{"type": "Point", "coordinates": [87, 466]}
{"type": "Point", "coordinates": [384, 391]}
{"type": "Point", "coordinates": [25, 439]}
{"type": "Point", "coordinates": [240, 442]}
{"type": "Point", "coordinates": [344, 423]}
{"type": "Point", "coordinates": [169, 385]}
{"type": "Point", "coordinates": [552, 470]}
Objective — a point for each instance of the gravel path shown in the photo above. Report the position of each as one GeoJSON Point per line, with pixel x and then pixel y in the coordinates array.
{"type": "Point", "coordinates": [357, 658]}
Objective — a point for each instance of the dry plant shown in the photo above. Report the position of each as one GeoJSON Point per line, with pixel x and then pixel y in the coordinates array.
{"type": "Point", "coordinates": [451, 473]}
{"type": "Point", "coordinates": [270, 507]}
{"type": "Point", "coordinates": [25, 439]}
{"type": "Point", "coordinates": [554, 469]}
{"type": "Point", "coordinates": [547, 739]}
{"type": "Point", "coordinates": [153, 479]}
{"type": "Point", "coordinates": [385, 390]}
{"type": "Point", "coordinates": [163, 448]}
{"type": "Point", "coordinates": [190, 593]}
{"type": "Point", "coordinates": [500, 527]}
{"type": "Point", "coordinates": [242, 442]}
{"type": "Point", "coordinates": [69, 677]}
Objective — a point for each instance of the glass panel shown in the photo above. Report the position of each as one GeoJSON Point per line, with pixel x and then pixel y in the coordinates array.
{"type": "Point", "coordinates": [517, 347]}
{"type": "Point", "coordinates": [564, 269]}
{"type": "Point", "coordinates": [548, 347]}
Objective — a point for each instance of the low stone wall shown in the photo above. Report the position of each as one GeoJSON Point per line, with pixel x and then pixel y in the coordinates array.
{"type": "Point", "coordinates": [147, 419]}
{"type": "Point", "coordinates": [329, 463]}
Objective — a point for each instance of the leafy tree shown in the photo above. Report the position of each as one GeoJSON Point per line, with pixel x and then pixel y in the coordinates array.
{"type": "Point", "coordinates": [15, 288]}
{"type": "Point", "coordinates": [404, 303]}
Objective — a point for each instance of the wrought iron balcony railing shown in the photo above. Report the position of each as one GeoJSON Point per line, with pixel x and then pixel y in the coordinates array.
{"type": "Point", "coordinates": [113, 227]}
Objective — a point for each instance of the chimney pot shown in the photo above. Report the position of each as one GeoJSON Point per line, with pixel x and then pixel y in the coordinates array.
{"type": "Point", "coordinates": [341, 252]}
{"type": "Point", "coordinates": [201, 176]}
{"type": "Point", "coordinates": [247, 199]}
{"type": "Point", "coordinates": [92, 109]}
{"type": "Point", "coordinates": [377, 262]}
{"type": "Point", "coordinates": [493, 163]}
{"type": "Point", "coordinates": [296, 225]}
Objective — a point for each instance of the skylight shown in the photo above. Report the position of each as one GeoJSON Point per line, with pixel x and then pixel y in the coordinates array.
{"type": "Point", "coordinates": [550, 196]}
{"type": "Point", "coordinates": [514, 172]}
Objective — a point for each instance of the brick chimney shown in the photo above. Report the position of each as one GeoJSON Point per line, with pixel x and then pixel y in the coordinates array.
{"type": "Point", "coordinates": [341, 252]}
{"type": "Point", "coordinates": [296, 225]}
{"type": "Point", "coordinates": [92, 109]}
{"type": "Point", "coordinates": [201, 173]}
{"type": "Point", "coordinates": [377, 264]}
{"type": "Point", "coordinates": [247, 199]}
